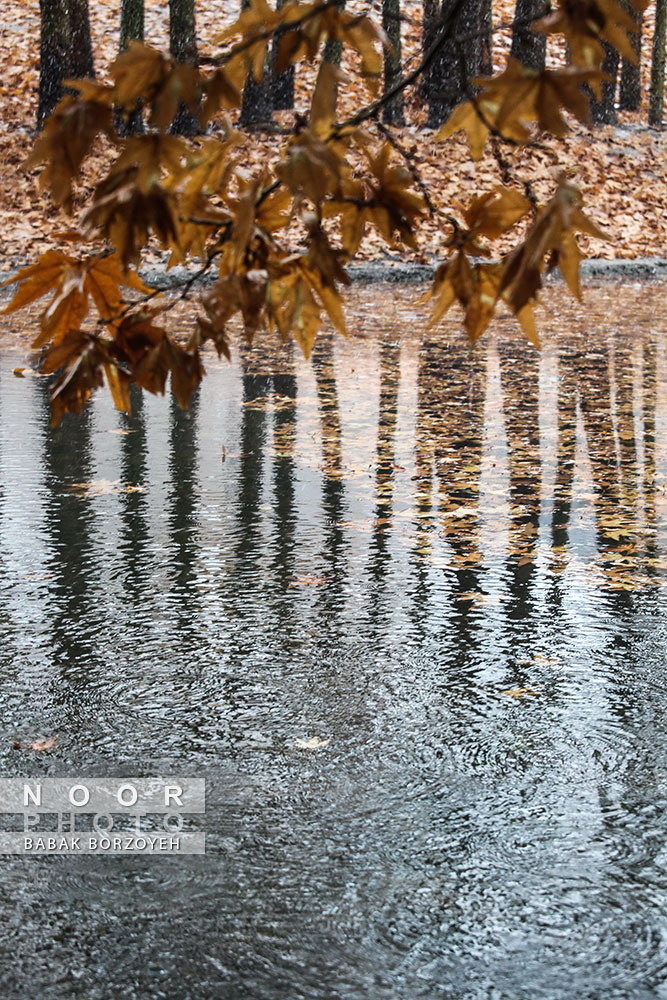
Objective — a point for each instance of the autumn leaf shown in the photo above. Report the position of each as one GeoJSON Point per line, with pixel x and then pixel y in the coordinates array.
{"type": "Point", "coordinates": [585, 24]}
{"type": "Point", "coordinates": [68, 137]}
{"type": "Point", "coordinates": [40, 744]}
{"type": "Point", "coordinates": [125, 214]}
{"type": "Point", "coordinates": [323, 106]}
{"type": "Point", "coordinates": [521, 692]}
{"type": "Point", "coordinates": [314, 743]}
{"type": "Point", "coordinates": [552, 235]}
{"type": "Point", "coordinates": [38, 279]}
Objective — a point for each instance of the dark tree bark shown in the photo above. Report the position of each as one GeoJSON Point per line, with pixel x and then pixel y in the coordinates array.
{"type": "Point", "coordinates": [486, 55]}
{"type": "Point", "coordinates": [257, 105]}
{"type": "Point", "coordinates": [183, 48]}
{"type": "Point", "coordinates": [658, 66]}
{"type": "Point", "coordinates": [333, 49]}
{"type": "Point", "coordinates": [630, 93]}
{"type": "Point", "coordinates": [430, 14]}
{"type": "Point", "coordinates": [131, 29]}
{"type": "Point", "coordinates": [455, 62]}
{"type": "Point", "coordinates": [529, 47]}
{"type": "Point", "coordinates": [603, 112]}
{"type": "Point", "coordinates": [81, 46]}
{"type": "Point", "coordinates": [392, 113]}
{"type": "Point", "coordinates": [283, 83]}
{"type": "Point", "coordinates": [131, 22]}
{"type": "Point", "coordinates": [53, 55]}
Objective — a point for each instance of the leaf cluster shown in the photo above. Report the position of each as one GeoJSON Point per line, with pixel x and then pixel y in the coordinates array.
{"type": "Point", "coordinates": [335, 179]}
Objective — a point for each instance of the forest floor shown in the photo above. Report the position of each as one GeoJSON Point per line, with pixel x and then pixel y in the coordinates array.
{"type": "Point", "coordinates": [621, 170]}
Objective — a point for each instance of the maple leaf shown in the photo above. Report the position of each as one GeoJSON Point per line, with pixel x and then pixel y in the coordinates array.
{"type": "Point", "coordinates": [125, 215]}
{"type": "Point", "coordinates": [312, 168]}
{"type": "Point", "coordinates": [323, 105]}
{"type": "Point", "coordinates": [586, 24]}
{"type": "Point", "coordinates": [473, 285]}
{"type": "Point", "coordinates": [519, 95]}
{"type": "Point", "coordinates": [476, 118]}
{"type": "Point", "coordinates": [367, 39]}
{"type": "Point", "coordinates": [493, 213]}
{"type": "Point", "coordinates": [73, 282]}
{"type": "Point", "coordinates": [220, 90]}
{"type": "Point", "coordinates": [142, 72]}
{"type": "Point", "coordinates": [255, 21]}
{"type": "Point", "coordinates": [66, 139]}
{"type": "Point", "coordinates": [152, 155]}
{"type": "Point", "coordinates": [553, 233]}
{"type": "Point", "coordinates": [73, 389]}
{"type": "Point", "coordinates": [393, 206]}
{"type": "Point", "coordinates": [139, 71]}
{"type": "Point", "coordinates": [38, 279]}
{"type": "Point", "coordinates": [103, 277]}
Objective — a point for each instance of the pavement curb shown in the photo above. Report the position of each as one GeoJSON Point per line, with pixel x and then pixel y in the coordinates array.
{"type": "Point", "coordinates": [394, 271]}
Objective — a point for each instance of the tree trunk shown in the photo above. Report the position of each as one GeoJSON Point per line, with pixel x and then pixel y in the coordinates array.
{"type": "Point", "coordinates": [630, 94]}
{"type": "Point", "coordinates": [529, 47]}
{"type": "Point", "coordinates": [183, 48]}
{"type": "Point", "coordinates": [392, 113]}
{"type": "Point", "coordinates": [604, 112]}
{"type": "Point", "coordinates": [257, 105]}
{"type": "Point", "coordinates": [131, 22]}
{"type": "Point", "coordinates": [430, 11]}
{"type": "Point", "coordinates": [658, 66]}
{"type": "Point", "coordinates": [81, 47]}
{"type": "Point", "coordinates": [486, 55]}
{"type": "Point", "coordinates": [131, 29]}
{"type": "Point", "coordinates": [53, 55]}
{"type": "Point", "coordinates": [283, 83]}
{"type": "Point", "coordinates": [333, 49]}
{"type": "Point", "coordinates": [455, 62]}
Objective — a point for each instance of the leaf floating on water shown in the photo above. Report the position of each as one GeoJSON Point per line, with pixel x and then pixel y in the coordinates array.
{"type": "Point", "coordinates": [103, 487]}
{"type": "Point", "coordinates": [548, 661]}
{"type": "Point", "coordinates": [310, 581]}
{"type": "Point", "coordinates": [314, 743]}
{"type": "Point", "coordinates": [43, 743]}
{"type": "Point", "coordinates": [521, 692]}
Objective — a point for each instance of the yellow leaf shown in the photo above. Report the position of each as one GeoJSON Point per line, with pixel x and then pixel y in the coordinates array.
{"type": "Point", "coordinates": [314, 743]}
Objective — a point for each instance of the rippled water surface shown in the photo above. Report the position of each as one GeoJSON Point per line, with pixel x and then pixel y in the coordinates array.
{"type": "Point", "coordinates": [447, 567]}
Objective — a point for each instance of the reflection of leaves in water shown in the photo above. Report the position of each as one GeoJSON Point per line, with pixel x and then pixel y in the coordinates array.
{"type": "Point", "coordinates": [545, 463]}
{"type": "Point", "coordinates": [521, 692]}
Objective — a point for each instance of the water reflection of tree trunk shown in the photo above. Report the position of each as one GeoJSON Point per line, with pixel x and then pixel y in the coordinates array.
{"type": "Point", "coordinates": [390, 376]}
{"type": "Point", "coordinates": [379, 555]}
{"type": "Point", "coordinates": [450, 426]}
{"type": "Point", "coordinates": [182, 518]}
{"type": "Point", "coordinates": [333, 489]}
{"type": "Point", "coordinates": [256, 387]}
{"type": "Point", "coordinates": [519, 375]}
{"type": "Point", "coordinates": [75, 624]}
{"type": "Point", "coordinates": [134, 504]}
{"type": "Point", "coordinates": [284, 440]}
{"type": "Point", "coordinates": [604, 383]}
